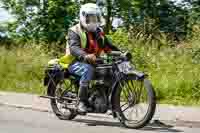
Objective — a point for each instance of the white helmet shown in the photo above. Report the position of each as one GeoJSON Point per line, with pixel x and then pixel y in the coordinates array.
{"type": "Point", "coordinates": [90, 16]}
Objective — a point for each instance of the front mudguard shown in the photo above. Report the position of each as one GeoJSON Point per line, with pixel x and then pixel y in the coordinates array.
{"type": "Point", "coordinates": [134, 75]}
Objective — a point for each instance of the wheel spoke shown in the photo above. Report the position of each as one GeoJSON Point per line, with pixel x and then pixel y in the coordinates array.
{"type": "Point", "coordinates": [124, 92]}
{"type": "Point", "coordinates": [125, 109]}
{"type": "Point", "coordinates": [65, 104]}
{"type": "Point", "coordinates": [123, 104]}
{"type": "Point", "coordinates": [140, 92]}
{"type": "Point", "coordinates": [130, 87]}
{"type": "Point", "coordinates": [133, 91]}
{"type": "Point", "coordinates": [140, 106]}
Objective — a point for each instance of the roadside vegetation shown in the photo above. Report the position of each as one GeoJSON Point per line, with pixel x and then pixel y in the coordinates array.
{"type": "Point", "coordinates": [165, 43]}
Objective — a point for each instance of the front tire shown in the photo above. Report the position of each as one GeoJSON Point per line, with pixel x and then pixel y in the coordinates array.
{"type": "Point", "coordinates": [122, 96]}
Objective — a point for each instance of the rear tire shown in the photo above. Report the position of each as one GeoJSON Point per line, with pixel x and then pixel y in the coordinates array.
{"type": "Point", "coordinates": [148, 115]}
{"type": "Point", "coordinates": [54, 104]}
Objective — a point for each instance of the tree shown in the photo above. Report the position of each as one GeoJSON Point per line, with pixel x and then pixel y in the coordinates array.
{"type": "Point", "coordinates": [194, 13]}
{"type": "Point", "coordinates": [46, 20]}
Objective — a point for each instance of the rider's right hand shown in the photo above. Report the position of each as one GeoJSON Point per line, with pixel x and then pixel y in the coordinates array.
{"type": "Point", "coordinates": [91, 58]}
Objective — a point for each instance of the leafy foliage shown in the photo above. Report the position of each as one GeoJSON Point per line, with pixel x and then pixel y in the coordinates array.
{"type": "Point", "coordinates": [48, 20]}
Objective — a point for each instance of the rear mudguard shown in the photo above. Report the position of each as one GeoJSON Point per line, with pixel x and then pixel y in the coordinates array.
{"type": "Point", "coordinates": [54, 75]}
{"type": "Point", "coordinates": [51, 78]}
{"type": "Point", "coordinates": [50, 83]}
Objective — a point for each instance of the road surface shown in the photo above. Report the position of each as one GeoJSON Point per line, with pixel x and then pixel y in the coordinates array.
{"type": "Point", "coordinates": [19, 120]}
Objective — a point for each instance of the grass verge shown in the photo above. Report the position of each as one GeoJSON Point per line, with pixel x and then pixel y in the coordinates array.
{"type": "Point", "coordinates": [174, 72]}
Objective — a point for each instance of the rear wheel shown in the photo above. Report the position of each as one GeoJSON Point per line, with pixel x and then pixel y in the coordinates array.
{"type": "Point", "coordinates": [62, 108]}
{"type": "Point", "coordinates": [135, 103]}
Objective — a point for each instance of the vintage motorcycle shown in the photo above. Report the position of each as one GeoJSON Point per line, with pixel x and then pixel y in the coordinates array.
{"type": "Point", "coordinates": [117, 86]}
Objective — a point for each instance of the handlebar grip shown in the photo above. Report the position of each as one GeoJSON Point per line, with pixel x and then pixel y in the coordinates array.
{"type": "Point", "coordinates": [117, 53]}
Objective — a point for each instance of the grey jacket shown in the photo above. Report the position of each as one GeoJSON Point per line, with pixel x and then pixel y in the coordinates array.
{"type": "Point", "coordinates": [74, 43]}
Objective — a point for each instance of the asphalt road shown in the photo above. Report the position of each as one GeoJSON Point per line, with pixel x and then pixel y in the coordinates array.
{"type": "Point", "coordinates": [18, 120]}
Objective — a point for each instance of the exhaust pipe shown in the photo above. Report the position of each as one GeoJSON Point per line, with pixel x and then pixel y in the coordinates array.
{"type": "Point", "coordinates": [65, 98]}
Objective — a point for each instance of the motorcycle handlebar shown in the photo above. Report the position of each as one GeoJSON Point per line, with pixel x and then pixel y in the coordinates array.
{"type": "Point", "coordinates": [115, 60]}
{"type": "Point", "coordinates": [116, 57]}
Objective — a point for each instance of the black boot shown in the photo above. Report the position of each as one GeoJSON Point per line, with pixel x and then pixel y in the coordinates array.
{"type": "Point", "coordinates": [82, 108]}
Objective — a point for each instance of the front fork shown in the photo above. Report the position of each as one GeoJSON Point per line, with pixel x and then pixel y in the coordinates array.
{"type": "Point", "coordinates": [116, 79]}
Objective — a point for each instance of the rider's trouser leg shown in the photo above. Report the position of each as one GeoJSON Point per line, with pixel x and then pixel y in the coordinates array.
{"type": "Point", "coordinates": [86, 72]}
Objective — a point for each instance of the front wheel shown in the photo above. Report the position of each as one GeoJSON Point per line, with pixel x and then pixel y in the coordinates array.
{"type": "Point", "coordinates": [135, 103]}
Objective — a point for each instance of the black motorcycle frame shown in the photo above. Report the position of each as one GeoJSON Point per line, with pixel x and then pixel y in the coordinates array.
{"type": "Point", "coordinates": [56, 73]}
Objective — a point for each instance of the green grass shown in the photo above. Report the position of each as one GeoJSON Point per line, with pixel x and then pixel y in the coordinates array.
{"type": "Point", "coordinates": [174, 71]}
{"type": "Point", "coordinates": [175, 76]}
{"type": "Point", "coordinates": [21, 69]}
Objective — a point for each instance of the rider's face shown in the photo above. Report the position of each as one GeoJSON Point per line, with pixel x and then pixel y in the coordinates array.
{"type": "Point", "coordinates": [92, 19]}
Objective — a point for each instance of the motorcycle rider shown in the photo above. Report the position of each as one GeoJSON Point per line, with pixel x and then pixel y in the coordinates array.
{"type": "Point", "coordinates": [86, 41]}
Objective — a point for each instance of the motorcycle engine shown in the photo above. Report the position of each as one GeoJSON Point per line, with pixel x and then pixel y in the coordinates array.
{"type": "Point", "coordinates": [98, 101]}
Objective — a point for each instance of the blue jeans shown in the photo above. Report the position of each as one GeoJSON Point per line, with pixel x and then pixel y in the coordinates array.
{"type": "Point", "coordinates": [84, 70]}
